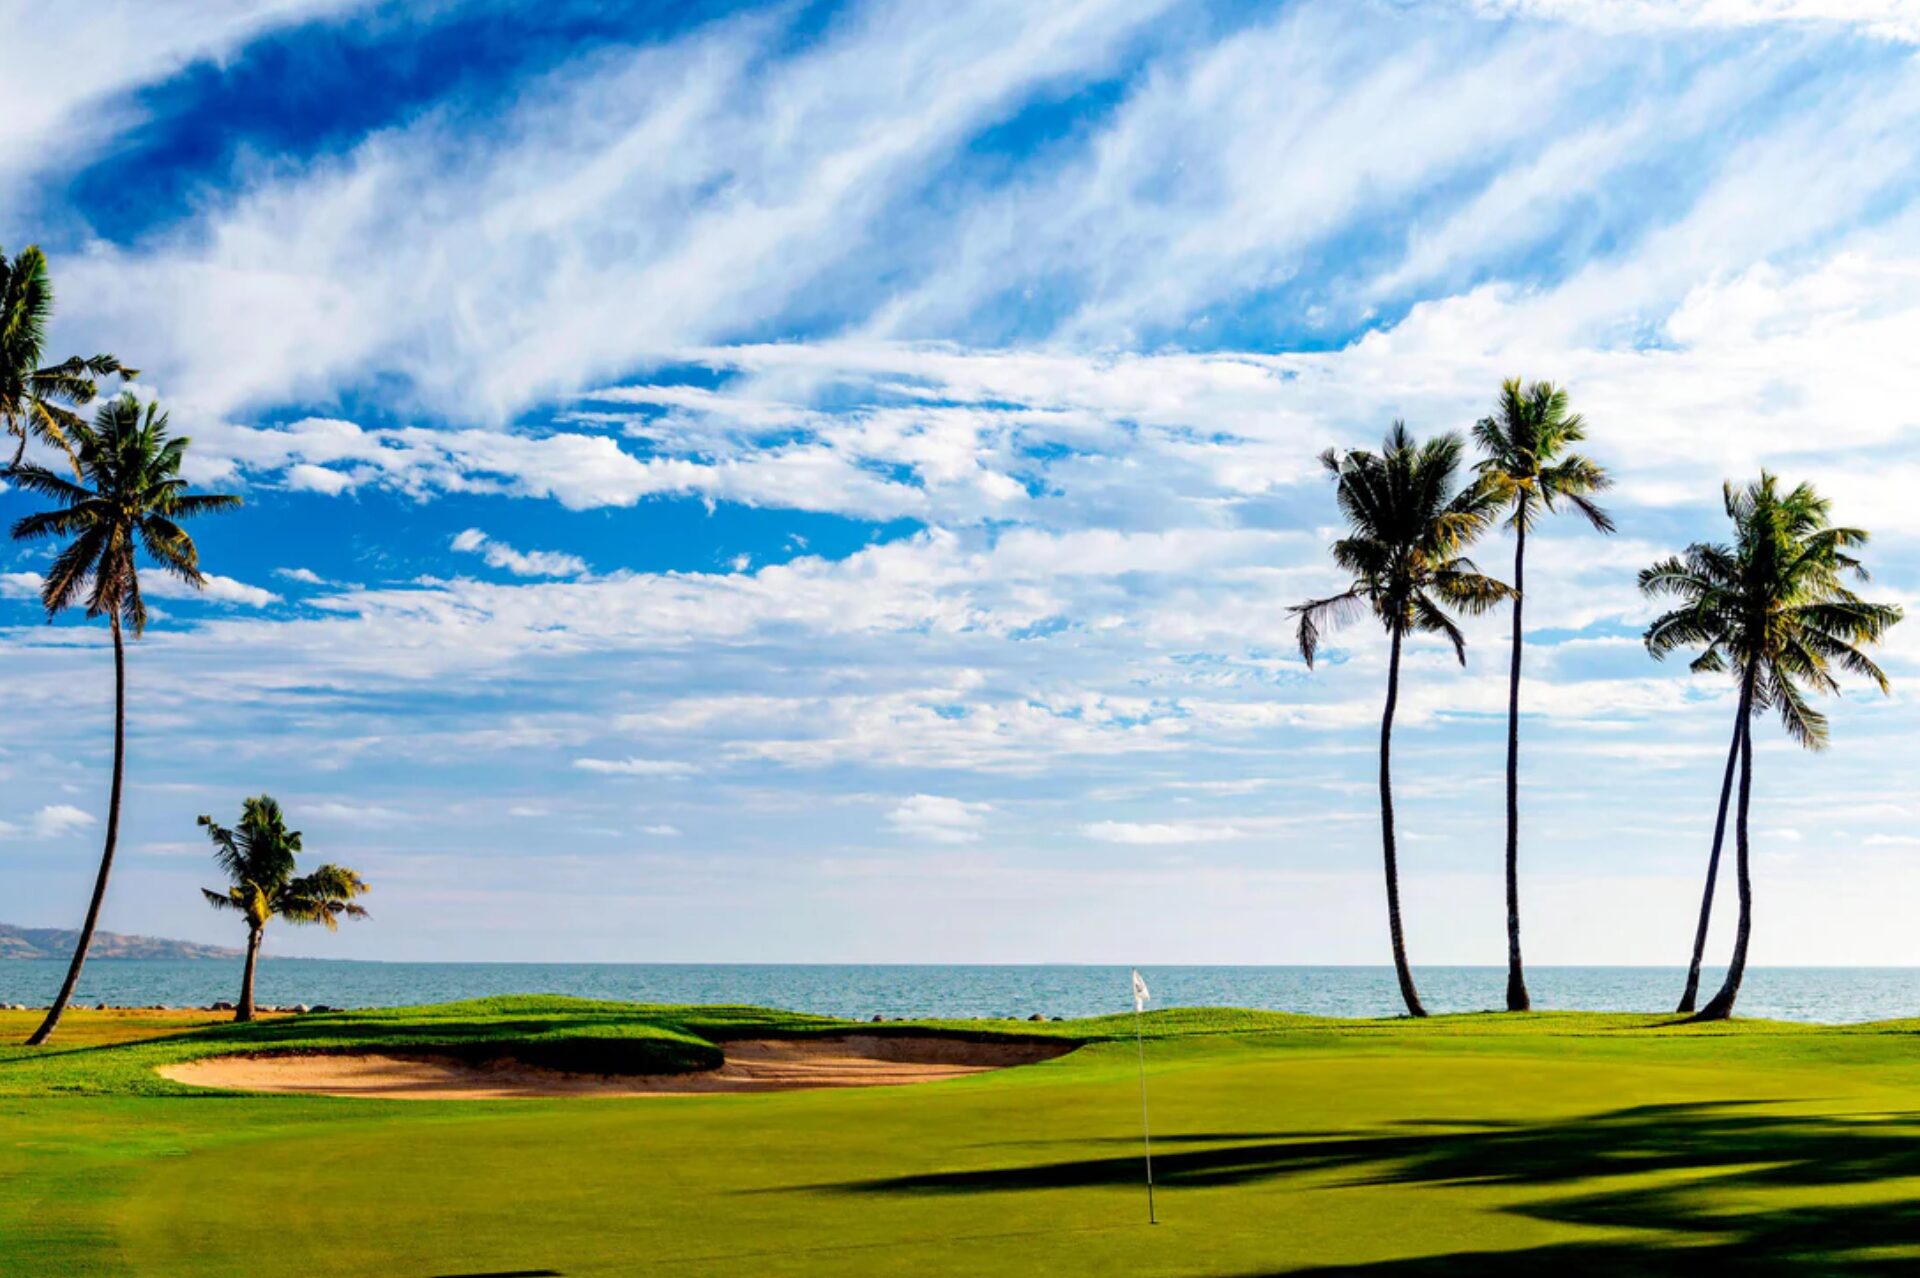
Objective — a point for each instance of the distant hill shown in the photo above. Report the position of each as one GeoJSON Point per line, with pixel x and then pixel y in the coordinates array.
{"type": "Point", "coordinates": [58, 942]}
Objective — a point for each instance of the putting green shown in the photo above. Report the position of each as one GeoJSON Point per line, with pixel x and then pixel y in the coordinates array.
{"type": "Point", "coordinates": [1473, 1145]}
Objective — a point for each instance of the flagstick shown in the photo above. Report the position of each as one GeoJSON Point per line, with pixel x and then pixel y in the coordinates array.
{"type": "Point", "coordinates": [1146, 1133]}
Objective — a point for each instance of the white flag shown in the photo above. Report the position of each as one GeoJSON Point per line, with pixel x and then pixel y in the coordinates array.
{"type": "Point", "coordinates": [1140, 993]}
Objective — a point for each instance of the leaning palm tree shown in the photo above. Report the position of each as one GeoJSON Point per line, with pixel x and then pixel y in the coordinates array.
{"type": "Point", "coordinates": [1408, 523]}
{"type": "Point", "coordinates": [1528, 465]}
{"type": "Point", "coordinates": [37, 402]}
{"type": "Point", "coordinates": [130, 498]}
{"type": "Point", "coordinates": [258, 857]}
{"type": "Point", "coordinates": [1774, 610]}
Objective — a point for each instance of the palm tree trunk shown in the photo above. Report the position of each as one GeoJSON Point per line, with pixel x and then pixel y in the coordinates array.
{"type": "Point", "coordinates": [1407, 992]}
{"type": "Point", "coordinates": [1713, 866]}
{"type": "Point", "coordinates": [1517, 1000]}
{"type": "Point", "coordinates": [52, 1022]}
{"type": "Point", "coordinates": [244, 1012]}
{"type": "Point", "coordinates": [1721, 1005]}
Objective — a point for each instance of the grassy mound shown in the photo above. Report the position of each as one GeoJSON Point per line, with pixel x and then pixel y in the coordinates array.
{"type": "Point", "coordinates": [556, 1032]}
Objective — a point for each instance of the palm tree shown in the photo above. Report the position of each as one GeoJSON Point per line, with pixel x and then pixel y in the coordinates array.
{"type": "Point", "coordinates": [1525, 443]}
{"type": "Point", "coordinates": [38, 402]}
{"type": "Point", "coordinates": [130, 497]}
{"type": "Point", "coordinates": [259, 859]}
{"type": "Point", "coordinates": [1408, 524]}
{"type": "Point", "coordinates": [1775, 611]}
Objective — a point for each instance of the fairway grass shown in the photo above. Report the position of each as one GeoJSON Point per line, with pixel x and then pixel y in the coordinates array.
{"type": "Point", "coordinates": [1542, 1144]}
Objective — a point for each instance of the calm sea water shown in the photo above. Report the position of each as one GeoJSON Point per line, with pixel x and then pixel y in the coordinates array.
{"type": "Point", "coordinates": [1799, 994]}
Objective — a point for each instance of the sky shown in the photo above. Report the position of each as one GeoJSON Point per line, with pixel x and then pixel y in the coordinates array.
{"type": "Point", "coordinates": [825, 481]}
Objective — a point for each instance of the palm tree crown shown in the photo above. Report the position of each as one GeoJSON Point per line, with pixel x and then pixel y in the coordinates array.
{"type": "Point", "coordinates": [37, 401]}
{"type": "Point", "coordinates": [1776, 604]}
{"type": "Point", "coordinates": [129, 497]}
{"type": "Point", "coordinates": [1407, 528]}
{"type": "Point", "coordinates": [1527, 464]}
{"type": "Point", "coordinates": [258, 858]}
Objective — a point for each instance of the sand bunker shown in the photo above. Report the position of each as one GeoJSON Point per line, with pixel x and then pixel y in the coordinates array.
{"type": "Point", "coordinates": [757, 1065]}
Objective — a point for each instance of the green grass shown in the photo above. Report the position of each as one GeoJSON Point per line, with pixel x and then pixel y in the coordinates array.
{"type": "Point", "coordinates": [1547, 1144]}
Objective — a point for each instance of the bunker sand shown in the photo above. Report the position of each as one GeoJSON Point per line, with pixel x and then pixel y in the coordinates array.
{"type": "Point", "coordinates": [752, 1065]}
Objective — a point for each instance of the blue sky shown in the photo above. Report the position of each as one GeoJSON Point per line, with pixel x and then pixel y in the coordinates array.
{"type": "Point", "coordinates": [825, 481]}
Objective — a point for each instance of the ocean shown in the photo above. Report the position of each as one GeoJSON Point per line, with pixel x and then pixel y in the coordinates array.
{"type": "Point", "coordinates": [860, 991]}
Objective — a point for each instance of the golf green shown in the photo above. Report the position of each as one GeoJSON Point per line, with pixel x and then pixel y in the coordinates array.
{"type": "Point", "coordinates": [1557, 1144]}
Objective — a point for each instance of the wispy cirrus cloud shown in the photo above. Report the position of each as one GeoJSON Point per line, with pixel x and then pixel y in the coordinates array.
{"type": "Point", "coordinates": [56, 108]}
{"type": "Point", "coordinates": [1887, 19]}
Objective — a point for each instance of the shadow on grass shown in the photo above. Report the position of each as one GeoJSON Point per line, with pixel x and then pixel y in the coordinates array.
{"type": "Point", "coordinates": [1758, 1195]}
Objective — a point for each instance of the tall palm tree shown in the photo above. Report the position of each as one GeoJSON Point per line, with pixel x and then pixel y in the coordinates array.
{"type": "Point", "coordinates": [258, 858]}
{"type": "Point", "coordinates": [130, 497]}
{"type": "Point", "coordinates": [38, 402]}
{"type": "Point", "coordinates": [1527, 463]}
{"type": "Point", "coordinates": [1773, 609]}
{"type": "Point", "coordinates": [1408, 523]}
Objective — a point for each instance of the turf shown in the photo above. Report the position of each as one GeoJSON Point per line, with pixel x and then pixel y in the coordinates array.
{"type": "Point", "coordinates": [1558, 1144]}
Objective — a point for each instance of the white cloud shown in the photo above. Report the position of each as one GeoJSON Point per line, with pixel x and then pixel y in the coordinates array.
{"type": "Point", "coordinates": [305, 576]}
{"type": "Point", "coordinates": [157, 585]}
{"type": "Point", "coordinates": [59, 819]}
{"type": "Point", "coordinates": [217, 589]}
{"type": "Point", "coordinates": [636, 767]}
{"type": "Point", "coordinates": [661, 830]}
{"type": "Point", "coordinates": [932, 818]}
{"type": "Point", "coordinates": [1152, 832]}
{"type": "Point", "coordinates": [306, 477]}
{"type": "Point", "coordinates": [521, 563]}
{"type": "Point", "coordinates": [21, 585]}
{"type": "Point", "coordinates": [350, 813]}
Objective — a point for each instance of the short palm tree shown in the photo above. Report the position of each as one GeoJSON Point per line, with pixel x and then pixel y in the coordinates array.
{"type": "Point", "coordinates": [1408, 522]}
{"type": "Point", "coordinates": [1528, 465]}
{"type": "Point", "coordinates": [258, 857]}
{"type": "Point", "coordinates": [129, 498]}
{"type": "Point", "coordinates": [38, 402]}
{"type": "Point", "coordinates": [1775, 611]}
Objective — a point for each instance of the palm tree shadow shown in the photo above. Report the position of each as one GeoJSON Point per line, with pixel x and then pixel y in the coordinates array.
{"type": "Point", "coordinates": [1733, 1151]}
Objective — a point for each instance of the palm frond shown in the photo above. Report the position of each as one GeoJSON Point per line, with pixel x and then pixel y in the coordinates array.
{"type": "Point", "coordinates": [1805, 725]}
{"type": "Point", "coordinates": [1320, 615]}
{"type": "Point", "coordinates": [227, 852]}
{"type": "Point", "coordinates": [45, 483]}
{"type": "Point", "coordinates": [1428, 617]}
{"type": "Point", "coordinates": [72, 569]}
{"type": "Point", "coordinates": [1462, 586]}
{"type": "Point", "coordinates": [1712, 661]}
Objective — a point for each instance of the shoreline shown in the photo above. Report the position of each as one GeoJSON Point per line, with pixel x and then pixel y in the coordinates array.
{"type": "Point", "coordinates": [1833, 996]}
